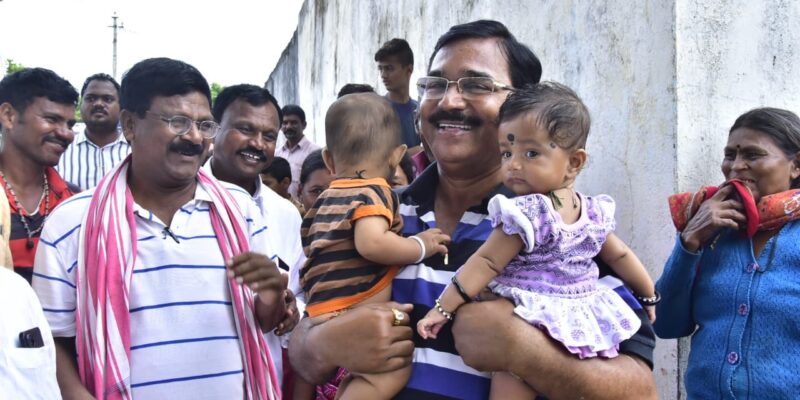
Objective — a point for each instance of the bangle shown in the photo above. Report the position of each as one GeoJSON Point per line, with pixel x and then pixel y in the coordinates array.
{"type": "Point", "coordinates": [650, 301]}
{"type": "Point", "coordinates": [421, 249]}
{"type": "Point", "coordinates": [447, 314]}
{"type": "Point", "coordinates": [460, 289]}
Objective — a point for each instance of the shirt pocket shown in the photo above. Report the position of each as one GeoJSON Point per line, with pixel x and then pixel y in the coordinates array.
{"type": "Point", "coordinates": [26, 358]}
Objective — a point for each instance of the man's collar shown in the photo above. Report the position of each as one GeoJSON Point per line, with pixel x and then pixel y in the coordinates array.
{"type": "Point", "coordinates": [207, 167]}
{"type": "Point", "coordinates": [300, 144]}
{"type": "Point", "coordinates": [84, 137]}
{"type": "Point", "coordinates": [422, 191]}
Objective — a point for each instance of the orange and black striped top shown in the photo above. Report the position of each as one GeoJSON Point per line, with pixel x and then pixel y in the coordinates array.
{"type": "Point", "coordinates": [335, 276]}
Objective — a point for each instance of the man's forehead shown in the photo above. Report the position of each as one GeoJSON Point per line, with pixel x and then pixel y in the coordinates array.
{"type": "Point", "coordinates": [194, 103]}
{"type": "Point", "coordinates": [390, 60]}
{"type": "Point", "coordinates": [46, 105]}
{"type": "Point", "coordinates": [100, 87]}
{"type": "Point", "coordinates": [240, 110]}
{"type": "Point", "coordinates": [293, 117]}
{"type": "Point", "coordinates": [471, 57]}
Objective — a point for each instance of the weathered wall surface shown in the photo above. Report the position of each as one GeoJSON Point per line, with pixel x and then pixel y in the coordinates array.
{"type": "Point", "coordinates": [663, 80]}
{"type": "Point", "coordinates": [732, 58]}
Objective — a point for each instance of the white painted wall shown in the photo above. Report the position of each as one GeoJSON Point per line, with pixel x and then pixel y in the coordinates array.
{"type": "Point", "coordinates": [663, 80]}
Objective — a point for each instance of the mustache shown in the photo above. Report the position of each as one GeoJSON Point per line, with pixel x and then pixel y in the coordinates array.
{"type": "Point", "coordinates": [54, 139]}
{"type": "Point", "coordinates": [185, 147]}
{"type": "Point", "coordinates": [253, 150]}
{"type": "Point", "coordinates": [456, 116]}
{"type": "Point", "coordinates": [95, 109]}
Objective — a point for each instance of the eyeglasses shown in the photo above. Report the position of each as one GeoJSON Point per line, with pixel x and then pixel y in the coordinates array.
{"type": "Point", "coordinates": [180, 125]}
{"type": "Point", "coordinates": [434, 88]}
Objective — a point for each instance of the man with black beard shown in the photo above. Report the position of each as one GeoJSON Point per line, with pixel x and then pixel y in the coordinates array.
{"type": "Point", "coordinates": [249, 119]}
{"type": "Point", "coordinates": [101, 145]}
{"type": "Point", "coordinates": [297, 146]}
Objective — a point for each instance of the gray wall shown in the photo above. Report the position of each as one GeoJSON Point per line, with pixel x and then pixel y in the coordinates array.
{"type": "Point", "coordinates": [663, 80]}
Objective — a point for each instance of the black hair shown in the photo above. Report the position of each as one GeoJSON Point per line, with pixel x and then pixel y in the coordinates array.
{"type": "Point", "coordinates": [408, 167]}
{"type": "Point", "coordinates": [351, 88]}
{"type": "Point", "coordinates": [313, 162]}
{"type": "Point", "coordinates": [523, 64]}
{"type": "Point", "coordinates": [99, 77]}
{"type": "Point", "coordinates": [21, 88]}
{"type": "Point", "coordinates": [254, 95]}
{"type": "Point", "coordinates": [279, 169]}
{"type": "Point", "coordinates": [294, 109]}
{"type": "Point", "coordinates": [556, 108]}
{"type": "Point", "coordinates": [782, 126]}
{"type": "Point", "coordinates": [361, 126]}
{"type": "Point", "coordinates": [155, 77]}
{"type": "Point", "coordinates": [396, 47]}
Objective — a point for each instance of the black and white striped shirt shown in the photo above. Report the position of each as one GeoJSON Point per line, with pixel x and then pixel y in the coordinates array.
{"type": "Point", "coordinates": [84, 163]}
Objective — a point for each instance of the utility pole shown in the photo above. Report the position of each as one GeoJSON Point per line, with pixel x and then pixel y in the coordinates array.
{"type": "Point", "coordinates": [115, 27]}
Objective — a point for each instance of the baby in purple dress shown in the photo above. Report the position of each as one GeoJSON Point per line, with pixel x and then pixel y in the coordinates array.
{"type": "Point", "coordinates": [540, 253]}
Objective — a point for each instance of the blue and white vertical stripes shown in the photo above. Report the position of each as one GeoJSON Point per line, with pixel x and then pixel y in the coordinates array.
{"type": "Point", "coordinates": [84, 163]}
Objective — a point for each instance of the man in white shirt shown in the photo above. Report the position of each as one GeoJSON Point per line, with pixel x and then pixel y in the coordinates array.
{"type": "Point", "coordinates": [161, 273]}
{"type": "Point", "coordinates": [101, 145]}
{"type": "Point", "coordinates": [297, 146]}
{"type": "Point", "coordinates": [249, 117]}
{"type": "Point", "coordinates": [27, 353]}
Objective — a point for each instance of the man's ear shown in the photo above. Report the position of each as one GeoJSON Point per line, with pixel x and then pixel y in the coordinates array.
{"type": "Point", "coordinates": [304, 125]}
{"type": "Point", "coordinates": [327, 158]}
{"type": "Point", "coordinates": [577, 160]}
{"type": "Point", "coordinates": [8, 116]}
{"type": "Point", "coordinates": [128, 121]}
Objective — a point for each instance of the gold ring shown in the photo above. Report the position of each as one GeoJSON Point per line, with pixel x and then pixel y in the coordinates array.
{"type": "Point", "coordinates": [398, 317]}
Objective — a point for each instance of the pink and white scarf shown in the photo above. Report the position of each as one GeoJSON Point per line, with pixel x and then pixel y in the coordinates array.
{"type": "Point", "coordinates": [106, 258]}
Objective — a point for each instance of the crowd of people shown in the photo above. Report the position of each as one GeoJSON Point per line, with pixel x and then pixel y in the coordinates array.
{"type": "Point", "coordinates": [435, 247]}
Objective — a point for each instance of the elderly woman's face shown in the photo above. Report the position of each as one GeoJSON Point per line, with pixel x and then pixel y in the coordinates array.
{"type": "Point", "coordinates": [754, 158]}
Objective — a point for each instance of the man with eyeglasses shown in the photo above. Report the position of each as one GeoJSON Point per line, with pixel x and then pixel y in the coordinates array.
{"type": "Point", "coordinates": [473, 68]}
{"type": "Point", "coordinates": [156, 283]}
{"type": "Point", "coordinates": [249, 118]}
{"type": "Point", "coordinates": [101, 145]}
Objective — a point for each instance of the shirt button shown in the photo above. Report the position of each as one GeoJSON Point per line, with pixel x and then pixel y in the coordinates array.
{"type": "Point", "coordinates": [733, 357]}
{"type": "Point", "coordinates": [743, 309]}
{"type": "Point", "coordinates": [751, 267]}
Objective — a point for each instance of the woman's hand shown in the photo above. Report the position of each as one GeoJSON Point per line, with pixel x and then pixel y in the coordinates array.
{"type": "Point", "coordinates": [715, 214]}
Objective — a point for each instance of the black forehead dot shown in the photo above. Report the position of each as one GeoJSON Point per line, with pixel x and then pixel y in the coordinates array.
{"type": "Point", "coordinates": [511, 137]}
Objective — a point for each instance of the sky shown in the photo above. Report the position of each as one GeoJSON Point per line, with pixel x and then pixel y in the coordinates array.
{"type": "Point", "coordinates": [230, 42]}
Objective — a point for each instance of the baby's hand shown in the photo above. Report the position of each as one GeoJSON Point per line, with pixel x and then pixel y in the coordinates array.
{"type": "Point", "coordinates": [430, 326]}
{"type": "Point", "coordinates": [435, 241]}
{"type": "Point", "coordinates": [651, 313]}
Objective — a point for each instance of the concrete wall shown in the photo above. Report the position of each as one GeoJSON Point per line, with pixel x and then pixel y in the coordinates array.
{"type": "Point", "coordinates": [663, 80]}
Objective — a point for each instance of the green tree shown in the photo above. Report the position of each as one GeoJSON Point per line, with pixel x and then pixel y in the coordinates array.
{"type": "Point", "coordinates": [215, 89]}
{"type": "Point", "coordinates": [12, 67]}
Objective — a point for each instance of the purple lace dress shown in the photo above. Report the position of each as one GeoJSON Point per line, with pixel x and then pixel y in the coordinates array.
{"type": "Point", "coordinates": [553, 281]}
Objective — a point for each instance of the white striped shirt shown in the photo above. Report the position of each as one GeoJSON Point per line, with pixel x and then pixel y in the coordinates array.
{"type": "Point", "coordinates": [84, 163]}
{"type": "Point", "coordinates": [183, 342]}
{"type": "Point", "coordinates": [284, 238]}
